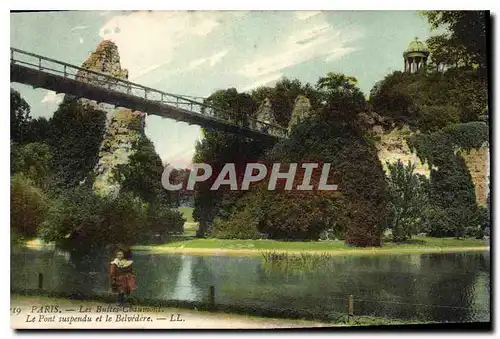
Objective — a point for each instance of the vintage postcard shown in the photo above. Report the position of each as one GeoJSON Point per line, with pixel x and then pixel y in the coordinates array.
{"type": "Point", "coordinates": [250, 170]}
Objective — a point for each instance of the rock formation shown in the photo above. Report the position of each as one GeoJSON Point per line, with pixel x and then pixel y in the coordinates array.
{"type": "Point", "coordinates": [124, 127]}
{"type": "Point", "coordinates": [391, 142]}
{"type": "Point", "coordinates": [265, 114]}
{"type": "Point", "coordinates": [301, 111]}
{"type": "Point", "coordinates": [392, 146]}
{"type": "Point", "coordinates": [478, 164]}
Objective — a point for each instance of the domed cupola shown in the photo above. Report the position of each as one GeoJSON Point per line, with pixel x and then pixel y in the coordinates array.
{"type": "Point", "coordinates": [415, 56]}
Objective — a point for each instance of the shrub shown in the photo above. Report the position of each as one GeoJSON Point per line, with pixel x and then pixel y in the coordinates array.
{"type": "Point", "coordinates": [80, 219]}
{"type": "Point", "coordinates": [163, 221]}
{"type": "Point", "coordinates": [28, 206]}
{"type": "Point", "coordinates": [238, 227]}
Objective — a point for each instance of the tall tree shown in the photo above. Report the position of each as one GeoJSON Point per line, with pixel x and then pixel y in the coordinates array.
{"type": "Point", "coordinates": [142, 174]}
{"type": "Point", "coordinates": [34, 161]}
{"type": "Point", "coordinates": [446, 53]}
{"type": "Point", "coordinates": [466, 30]}
{"type": "Point", "coordinates": [19, 117]}
{"type": "Point", "coordinates": [344, 100]}
{"type": "Point", "coordinates": [408, 199]}
{"type": "Point", "coordinates": [219, 148]}
{"type": "Point", "coordinates": [78, 131]}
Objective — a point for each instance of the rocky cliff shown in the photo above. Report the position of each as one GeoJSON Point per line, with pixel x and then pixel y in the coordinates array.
{"type": "Point", "coordinates": [392, 146]}
{"type": "Point", "coordinates": [124, 126]}
{"type": "Point", "coordinates": [478, 164]}
{"type": "Point", "coordinates": [301, 111]}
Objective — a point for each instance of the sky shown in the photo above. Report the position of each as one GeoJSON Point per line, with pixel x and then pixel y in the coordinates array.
{"type": "Point", "coordinates": [198, 52]}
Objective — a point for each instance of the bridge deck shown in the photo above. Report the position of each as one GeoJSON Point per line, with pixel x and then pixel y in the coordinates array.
{"type": "Point", "coordinates": [120, 93]}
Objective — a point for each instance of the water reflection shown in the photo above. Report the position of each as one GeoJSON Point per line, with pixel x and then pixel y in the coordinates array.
{"type": "Point", "coordinates": [184, 288]}
{"type": "Point", "coordinates": [437, 287]}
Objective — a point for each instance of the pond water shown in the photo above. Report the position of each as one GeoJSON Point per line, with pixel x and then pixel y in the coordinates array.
{"type": "Point", "coordinates": [434, 287]}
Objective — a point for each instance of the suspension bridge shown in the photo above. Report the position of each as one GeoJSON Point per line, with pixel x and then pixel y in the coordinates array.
{"type": "Point", "coordinates": [42, 72]}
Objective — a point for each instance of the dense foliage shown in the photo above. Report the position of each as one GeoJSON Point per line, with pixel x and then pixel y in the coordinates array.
{"type": "Point", "coordinates": [142, 174]}
{"type": "Point", "coordinates": [34, 161]}
{"type": "Point", "coordinates": [408, 200]}
{"type": "Point", "coordinates": [330, 135]}
{"type": "Point", "coordinates": [77, 133]}
{"type": "Point", "coordinates": [465, 34]}
{"type": "Point", "coordinates": [445, 104]}
{"type": "Point", "coordinates": [19, 117]}
{"type": "Point", "coordinates": [452, 193]}
{"type": "Point", "coordinates": [51, 175]}
{"type": "Point", "coordinates": [28, 207]}
{"type": "Point", "coordinates": [80, 219]}
{"type": "Point", "coordinates": [429, 102]}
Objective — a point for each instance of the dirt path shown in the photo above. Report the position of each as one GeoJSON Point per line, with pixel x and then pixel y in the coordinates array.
{"type": "Point", "coordinates": [51, 313]}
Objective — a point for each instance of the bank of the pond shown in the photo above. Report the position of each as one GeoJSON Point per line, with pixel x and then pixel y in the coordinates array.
{"type": "Point", "coordinates": [336, 247]}
{"type": "Point", "coordinates": [162, 319]}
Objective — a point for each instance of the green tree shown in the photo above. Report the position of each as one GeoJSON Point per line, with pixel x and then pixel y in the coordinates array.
{"type": "Point", "coordinates": [344, 100]}
{"type": "Point", "coordinates": [78, 131]}
{"type": "Point", "coordinates": [430, 102]}
{"type": "Point", "coordinates": [219, 148]}
{"type": "Point", "coordinates": [163, 221]}
{"type": "Point", "coordinates": [408, 199]}
{"type": "Point", "coordinates": [452, 194]}
{"type": "Point", "coordinates": [284, 94]}
{"type": "Point", "coordinates": [28, 206]}
{"type": "Point", "coordinates": [34, 161]}
{"type": "Point", "coordinates": [39, 130]}
{"type": "Point", "coordinates": [233, 106]}
{"type": "Point", "coordinates": [19, 116]}
{"type": "Point", "coordinates": [465, 30]}
{"type": "Point", "coordinates": [181, 197]}
{"type": "Point", "coordinates": [142, 174]}
{"type": "Point", "coordinates": [357, 210]}
{"type": "Point", "coordinates": [446, 53]}
{"type": "Point", "coordinates": [80, 220]}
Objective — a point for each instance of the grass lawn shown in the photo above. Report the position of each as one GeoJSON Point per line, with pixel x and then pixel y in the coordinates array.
{"type": "Point", "coordinates": [418, 244]}
{"type": "Point", "coordinates": [187, 212]}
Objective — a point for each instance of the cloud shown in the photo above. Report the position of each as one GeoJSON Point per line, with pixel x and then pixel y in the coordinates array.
{"type": "Point", "coordinates": [52, 98]}
{"type": "Point", "coordinates": [214, 59]}
{"type": "Point", "coordinates": [196, 53]}
{"type": "Point", "coordinates": [79, 28]}
{"type": "Point", "coordinates": [196, 63]}
{"type": "Point", "coordinates": [150, 38]}
{"type": "Point", "coordinates": [261, 82]}
{"type": "Point", "coordinates": [141, 72]}
{"type": "Point", "coordinates": [304, 15]}
{"type": "Point", "coordinates": [339, 53]}
{"type": "Point", "coordinates": [306, 41]}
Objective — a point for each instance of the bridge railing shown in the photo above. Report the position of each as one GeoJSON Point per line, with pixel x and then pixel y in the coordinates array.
{"type": "Point", "coordinates": [112, 83]}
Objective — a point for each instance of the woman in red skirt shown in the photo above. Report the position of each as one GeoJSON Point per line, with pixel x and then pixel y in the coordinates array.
{"type": "Point", "coordinates": [122, 276]}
